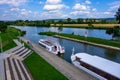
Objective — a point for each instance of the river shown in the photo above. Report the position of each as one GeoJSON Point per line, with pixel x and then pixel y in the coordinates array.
{"type": "Point", "coordinates": [32, 34]}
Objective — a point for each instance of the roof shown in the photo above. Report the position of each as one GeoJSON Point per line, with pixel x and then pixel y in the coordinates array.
{"type": "Point", "coordinates": [101, 63]}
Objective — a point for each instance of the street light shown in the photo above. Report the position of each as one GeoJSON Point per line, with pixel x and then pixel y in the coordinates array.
{"type": "Point", "coordinates": [1, 43]}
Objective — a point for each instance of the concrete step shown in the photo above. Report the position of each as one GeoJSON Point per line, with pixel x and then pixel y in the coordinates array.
{"type": "Point", "coordinates": [19, 50]}
{"type": "Point", "coordinates": [25, 72]}
{"type": "Point", "coordinates": [26, 54]}
{"type": "Point", "coordinates": [23, 52]}
{"type": "Point", "coordinates": [15, 72]}
{"type": "Point", "coordinates": [20, 72]}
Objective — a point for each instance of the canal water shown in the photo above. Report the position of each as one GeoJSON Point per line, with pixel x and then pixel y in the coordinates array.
{"type": "Point", "coordinates": [32, 34]}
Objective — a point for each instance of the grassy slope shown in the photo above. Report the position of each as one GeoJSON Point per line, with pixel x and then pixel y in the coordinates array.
{"type": "Point", "coordinates": [89, 39]}
{"type": "Point", "coordinates": [7, 38]}
{"type": "Point", "coordinates": [41, 70]}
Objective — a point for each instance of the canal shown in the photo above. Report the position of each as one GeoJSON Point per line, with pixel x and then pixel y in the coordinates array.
{"type": "Point", "coordinates": [32, 34]}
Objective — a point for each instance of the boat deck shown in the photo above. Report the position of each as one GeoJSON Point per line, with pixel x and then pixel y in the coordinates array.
{"type": "Point", "coordinates": [102, 64]}
{"type": "Point", "coordinates": [47, 43]}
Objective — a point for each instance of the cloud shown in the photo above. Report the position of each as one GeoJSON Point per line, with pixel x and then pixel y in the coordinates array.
{"type": "Point", "coordinates": [80, 13]}
{"type": "Point", "coordinates": [94, 9]}
{"type": "Point", "coordinates": [25, 12]}
{"type": "Point", "coordinates": [13, 2]}
{"type": "Point", "coordinates": [54, 5]}
{"type": "Point", "coordinates": [14, 9]}
{"type": "Point", "coordinates": [53, 1]}
{"type": "Point", "coordinates": [41, 2]}
{"type": "Point", "coordinates": [106, 13]}
{"type": "Point", "coordinates": [87, 2]}
{"type": "Point", "coordinates": [80, 7]}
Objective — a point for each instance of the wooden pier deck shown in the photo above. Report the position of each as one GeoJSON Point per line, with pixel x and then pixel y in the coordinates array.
{"type": "Point", "coordinates": [69, 70]}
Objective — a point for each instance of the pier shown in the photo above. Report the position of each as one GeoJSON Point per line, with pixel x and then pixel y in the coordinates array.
{"type": "Point", "coordinates": [69, 70]}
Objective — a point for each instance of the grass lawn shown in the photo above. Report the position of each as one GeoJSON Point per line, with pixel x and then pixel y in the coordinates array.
{"type": "Point", "coordinates": [7, 38]}
{"type": "Point", "coordinates": [41, 70]}
{"type": "Point", "coordinates": [89, 39]}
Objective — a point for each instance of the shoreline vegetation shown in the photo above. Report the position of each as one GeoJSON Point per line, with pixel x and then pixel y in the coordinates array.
{"type": "Point", "coordinates": [93, 40]}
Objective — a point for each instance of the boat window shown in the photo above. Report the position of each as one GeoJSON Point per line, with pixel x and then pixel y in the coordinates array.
{"type": "Point", "coordinates": [54, 48]}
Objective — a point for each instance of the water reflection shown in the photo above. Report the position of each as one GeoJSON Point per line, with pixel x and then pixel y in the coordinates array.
{"type": "Point", "coordinates": [112, 54]}
{"type": "Point", "coordinates": [115, 32]}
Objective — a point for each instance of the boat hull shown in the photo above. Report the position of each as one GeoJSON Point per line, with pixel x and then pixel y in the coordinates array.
{"type": "Point", "coordinates": [51, 46]}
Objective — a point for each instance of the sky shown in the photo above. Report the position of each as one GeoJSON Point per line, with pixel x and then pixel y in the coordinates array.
{"type": "Point", "coordinates": [57, 9]}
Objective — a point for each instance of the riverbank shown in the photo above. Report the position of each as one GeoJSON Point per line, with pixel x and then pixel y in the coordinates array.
{"type": "Point", "coordinates": [33, 62]}
{"type": "Point", "coordinates": [110, 44]}
{"type": "Point", "coordinates": [98, 26]}
{"type": "Point", "coordinates": [70, 71]}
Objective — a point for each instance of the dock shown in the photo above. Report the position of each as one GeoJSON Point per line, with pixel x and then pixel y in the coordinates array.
{"type": "Point", "coordinates": [67, 69]}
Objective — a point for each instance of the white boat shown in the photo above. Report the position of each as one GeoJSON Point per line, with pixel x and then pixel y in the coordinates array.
{"type": "Point", "coordinates": [52, 46]}
{"type": "Point", "coordinates": [98, 67]}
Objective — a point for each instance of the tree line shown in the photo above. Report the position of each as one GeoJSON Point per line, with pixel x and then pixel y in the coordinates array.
{"type": "Point", "coordinates": [3, 24]}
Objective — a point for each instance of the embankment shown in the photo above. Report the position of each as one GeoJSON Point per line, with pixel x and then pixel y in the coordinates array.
{"type": "Point", "coordinates": [86, 25]}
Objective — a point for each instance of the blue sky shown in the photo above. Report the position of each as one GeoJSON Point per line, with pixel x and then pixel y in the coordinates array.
{"type": "Point", "coordinates": [57, 9]}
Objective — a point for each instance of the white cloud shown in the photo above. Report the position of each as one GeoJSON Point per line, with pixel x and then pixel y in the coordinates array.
{"type": "Point", "coordinates": [14, 9]}
{"type": "Point", "coordinates": [13, 2]}
{"type": "Point", "coordinates": [94, 9]}
{"type": "Point", "coordinates": [80, 7]}
{"type": "Point", "coordinates": [106, 13]}
{"type": "Point", "coordinates": [80, 13]}
{"type": "Point", "coordinates": [25, 12]}
{"type": "Point", "coordinates": [53, 1]}
{"type": "Point", "coordinates": [87, 2]}
{"type": "Point", "coordinates": [54, 5]}
{"type": "Point", "coordinates": [41, 2]}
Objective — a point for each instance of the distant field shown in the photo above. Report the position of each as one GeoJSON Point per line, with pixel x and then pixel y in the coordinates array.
{"type": "Point", "coordinates": [86, 25]}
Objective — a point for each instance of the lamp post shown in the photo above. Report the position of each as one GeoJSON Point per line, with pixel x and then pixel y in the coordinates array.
{"type": "Point", "coordinates": [1, 43]}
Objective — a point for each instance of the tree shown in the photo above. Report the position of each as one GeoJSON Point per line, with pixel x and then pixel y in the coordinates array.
{"type": "Point", "coordinates": [3, 26]}
{"type": "Point", "coordinates": [79, 20]}
{"type": "Point", "coordinates": [117, 15]}
{"type": "Point", "coordinates": [69, 20]}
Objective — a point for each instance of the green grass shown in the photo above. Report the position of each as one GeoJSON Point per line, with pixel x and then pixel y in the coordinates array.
{"type": "Point", "coordinates": [8, 36]}
{"type": "Point", "coordinates": [89, 39]}
{"type": "Point", "coordinates": [41, 70]}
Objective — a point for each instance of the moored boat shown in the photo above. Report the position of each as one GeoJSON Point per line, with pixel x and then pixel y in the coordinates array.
{"type": "Point", "coordinates": [100, 68]}
{"type": "Point", "coordinates": [52, 46]}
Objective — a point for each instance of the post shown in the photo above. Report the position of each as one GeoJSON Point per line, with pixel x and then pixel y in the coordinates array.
{"type": "Point", "coordinates": [1, 43]}
{"type": "Point", "coordinates": [86, 34]}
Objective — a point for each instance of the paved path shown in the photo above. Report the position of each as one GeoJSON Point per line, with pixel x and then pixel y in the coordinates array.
{"type": "Point", "coordinates": [70, 71]}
